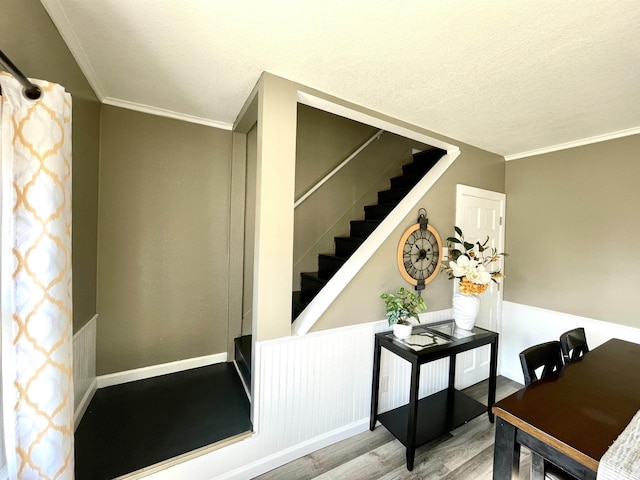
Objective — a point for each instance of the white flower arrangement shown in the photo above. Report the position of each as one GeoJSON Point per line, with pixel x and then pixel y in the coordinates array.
{"type": "Point", "coordinates": [469, 263]}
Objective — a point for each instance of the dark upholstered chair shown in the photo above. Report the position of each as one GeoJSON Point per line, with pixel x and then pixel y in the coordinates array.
{"type": "Point", "coordinates": [545, 355]}
{"type": "Point", "coordinates": [573, 344]}
{"type": "Point", "coordinates": [548, 357]}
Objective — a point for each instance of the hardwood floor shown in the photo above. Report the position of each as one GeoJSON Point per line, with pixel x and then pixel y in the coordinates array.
{"type": "Point", "coordinates": [465, 454]}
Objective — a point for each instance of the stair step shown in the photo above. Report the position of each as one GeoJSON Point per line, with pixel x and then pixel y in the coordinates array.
{"type": "Point", "coordinates": [298, 305]}
{"type": "Point", "coordinates": [328, 265]}
{"type": "Point", "coordinates": [403, 181]}
{"type": "Point", "coordinates": [310, 286]}
{"type": "Point", "coordinates": [417, 169]}
{"type": "Point", "coordinates": [242, 355]}
{"type": "Point", "coordinates": [345, 246]}
{"type": "Point", "coordinates": [378, 212]}
{"type": "Point", "coordinates": [393, 195]}
{"type": "Point", "coordinates": [429, 155]}
{"type": "Point", "coordinates": [363, 228]}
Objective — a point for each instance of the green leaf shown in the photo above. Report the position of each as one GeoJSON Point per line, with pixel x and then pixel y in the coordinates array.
{"type": "Point", "coordinates": [468, 245]}
{"type": "Point", "coordinates": [458, 231]}
{"type": "Point", "coordinates": [453, 240]}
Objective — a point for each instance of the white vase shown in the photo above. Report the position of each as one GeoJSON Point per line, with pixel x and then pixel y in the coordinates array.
{"type": "Point", "coordinates": [402, 331]}
{"type": "Point", "coordinates": [465, 309]}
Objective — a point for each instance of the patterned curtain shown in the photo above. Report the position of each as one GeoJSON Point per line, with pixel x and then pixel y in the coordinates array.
{"type": "Point", "coordinates": [35, 276]}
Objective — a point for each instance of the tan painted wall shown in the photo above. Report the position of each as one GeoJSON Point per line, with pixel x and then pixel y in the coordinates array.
{"type": "Point", "coordinates": [360, 301]}
{"type": "Point", "coordinates": [275, 180]}
{"type": "Point", "coordinates": [249, 226]}
{"type": "Point", "coordinates": [163, 250]}
{"type": "Point", "coordinates": [236, 238]}
{"type": "Point", "coordinates": [572, 225]}
{"type": "Point", "coordinates": [32, 42]}
{"type": "Point", "coordinates": [324, 140]}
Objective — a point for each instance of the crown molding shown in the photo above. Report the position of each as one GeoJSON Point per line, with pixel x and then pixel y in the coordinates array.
{"type": "Point", "coordinates": [575, 143]}
{"type": "Point", "coordinates": [161, 112]}
{"type": "Point", "coordinates": [70, 38]}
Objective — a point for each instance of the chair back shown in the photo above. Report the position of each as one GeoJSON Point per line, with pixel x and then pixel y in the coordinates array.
{"type": "Point", "coordinates": [573, 344]}
{"type": "Point", "coordinates": [546, 355]}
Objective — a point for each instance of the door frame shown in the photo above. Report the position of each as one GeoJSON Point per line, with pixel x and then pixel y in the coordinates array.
{"type": "Point", "coordinates": [462, 190]}
{"type": "Point", "coordinates": [501, 198]}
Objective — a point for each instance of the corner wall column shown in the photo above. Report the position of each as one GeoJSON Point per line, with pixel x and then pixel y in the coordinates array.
{"type": "Point", "coordinates": [275, 191]}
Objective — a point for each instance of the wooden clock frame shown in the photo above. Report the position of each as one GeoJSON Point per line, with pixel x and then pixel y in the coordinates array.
{"type": "Point", "coordinates": [401, 265]}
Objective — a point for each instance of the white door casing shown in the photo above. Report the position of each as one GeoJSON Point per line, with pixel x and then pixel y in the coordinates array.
{"type": "Point", "coordinates": [480, 213]}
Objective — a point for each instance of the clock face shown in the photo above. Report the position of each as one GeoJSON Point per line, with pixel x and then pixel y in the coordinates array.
{"type": "Point", "coordinates": [419, 254]}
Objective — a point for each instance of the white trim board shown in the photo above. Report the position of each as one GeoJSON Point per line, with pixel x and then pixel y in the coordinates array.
{"type": "Point", "coordinates": [283, 457]}
{"type": "Point", "coordinates": [388, 126]}
{"type": "Point", "coordinates": [161, 369]}
{"type": "Point", "coordinates": [81, 408]}
{"type": "Point", "coordinates": [161, 112]}
{"type": "Point", "coordinates": [576, 143]}
{"type": "Point", "coordinates": [57, 14]}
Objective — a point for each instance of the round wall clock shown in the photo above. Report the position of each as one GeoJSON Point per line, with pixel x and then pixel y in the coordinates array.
{"type": "Point", "coordinates": [420, 253]}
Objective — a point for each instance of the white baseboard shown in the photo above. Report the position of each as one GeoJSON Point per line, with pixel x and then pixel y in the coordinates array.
{"type": "Point", "coordinates": [161, 369]}
{"type": "Point", "coordinates": [84, 403]}
{"type": "Point", "coordinates": [290, 454]}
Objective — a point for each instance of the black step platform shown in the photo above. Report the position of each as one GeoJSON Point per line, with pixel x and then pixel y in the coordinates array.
{"type": "Point", "coordinates": [138, 424]}
{"type": "Point", "coordinates": [242, 356]}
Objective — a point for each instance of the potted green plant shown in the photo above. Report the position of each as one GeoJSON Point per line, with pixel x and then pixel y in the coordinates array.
{"type": "Point", "coordinates": [402, 306]}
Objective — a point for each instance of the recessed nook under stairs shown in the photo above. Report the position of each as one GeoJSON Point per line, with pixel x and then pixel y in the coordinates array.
{"type": "Point", "coordinates": [137, 425]}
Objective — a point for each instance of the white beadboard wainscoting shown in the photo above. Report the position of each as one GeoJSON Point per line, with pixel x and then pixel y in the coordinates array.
{"type": "Point", "coordinates": [84, 368]}
{"type": "Point", "coordinates": [524, 326]}
{"type": "Point", "coordinates": [311, 391]}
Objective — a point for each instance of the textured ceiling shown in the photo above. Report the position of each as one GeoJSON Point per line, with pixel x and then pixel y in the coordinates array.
{"type": "Point", "coordinates": [507, 76]}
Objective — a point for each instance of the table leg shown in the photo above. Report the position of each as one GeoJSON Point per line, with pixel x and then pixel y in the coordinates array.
{"type": "Point", "coordinates": [375, 384]}
{"type": "Point", "coordinates": [413, 414]}
{"type": "Point", "coordinates": [506, 452]}
{"type": "Point", "coordinates": [452, 372]}
{"type": "Point", "coordinates": [493, 370]}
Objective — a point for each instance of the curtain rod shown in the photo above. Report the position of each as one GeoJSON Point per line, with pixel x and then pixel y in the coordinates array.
{"type": "Point", "coordinates": [30, 90]}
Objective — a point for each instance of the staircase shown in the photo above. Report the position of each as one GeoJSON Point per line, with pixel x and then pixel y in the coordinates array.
{"type": "Point", "coordinates": [330, 263]}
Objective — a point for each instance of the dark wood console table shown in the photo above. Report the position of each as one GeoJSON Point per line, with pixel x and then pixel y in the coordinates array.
{"type": "Point", "coordinates": [421, 421]}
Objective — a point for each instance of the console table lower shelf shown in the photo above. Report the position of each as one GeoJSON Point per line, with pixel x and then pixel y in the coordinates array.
{"type": "Point", "coordinates": [438, 414]}
{"type": "Point", "coordinates": [423, 420]}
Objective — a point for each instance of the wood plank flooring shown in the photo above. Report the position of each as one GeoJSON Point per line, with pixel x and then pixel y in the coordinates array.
{"type": "Point", "coordinates": [465, 454]}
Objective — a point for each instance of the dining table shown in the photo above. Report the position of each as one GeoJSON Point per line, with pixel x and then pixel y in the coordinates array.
{"type": "Point", "coordinates": [571, 418]}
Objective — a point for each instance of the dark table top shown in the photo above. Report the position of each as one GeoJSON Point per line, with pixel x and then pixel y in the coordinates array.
{"type": "Point", "coordinates": [584, 408]}
{"type": "Point", "coordinates": [436, 340]}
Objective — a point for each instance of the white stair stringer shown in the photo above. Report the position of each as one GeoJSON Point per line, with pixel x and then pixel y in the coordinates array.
{"type": "Point", "coordinates": [355, 262]}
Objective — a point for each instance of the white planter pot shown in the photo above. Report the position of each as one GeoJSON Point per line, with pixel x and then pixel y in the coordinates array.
{"type": "Point", "coordinates": [465, 309]}
{"type": "Point", "coordinates": [402, 331]}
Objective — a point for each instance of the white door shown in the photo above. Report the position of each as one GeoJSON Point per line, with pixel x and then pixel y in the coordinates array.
{"type": "Point", "coordinates": [480, 213]}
